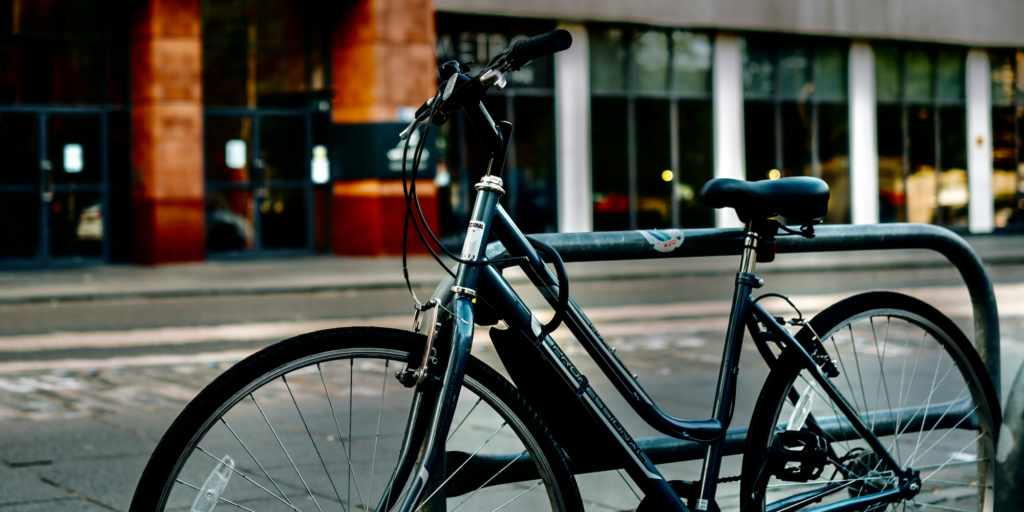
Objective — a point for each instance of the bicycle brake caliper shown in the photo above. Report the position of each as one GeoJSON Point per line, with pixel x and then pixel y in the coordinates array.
{"type": "Point", "coordinates": [409, 377]}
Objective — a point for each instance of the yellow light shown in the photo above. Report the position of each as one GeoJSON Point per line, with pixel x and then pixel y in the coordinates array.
{"type": "Point", "coordinates": [666, 175]}
{"type": "Point", "coordinates": [774, 174]}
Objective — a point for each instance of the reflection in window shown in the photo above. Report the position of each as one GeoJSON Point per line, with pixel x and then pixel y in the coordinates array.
{"type": "Point", "coordinates": [607, 60]}
{"type": "Point", "coordinates": [650, 60]}
{"type": "Point", "coordinates": [1007, 114]}
{"type": "Point", "coordinates": [254, 54]}
{"type": "Point", "coordinates": [530, 178]}
{"type": "Point", "coordinates": [922, 137]}
{"type": "Point", "coordinates": [651, 133]}
{"type": "Point", "coordinates": [795, 115]}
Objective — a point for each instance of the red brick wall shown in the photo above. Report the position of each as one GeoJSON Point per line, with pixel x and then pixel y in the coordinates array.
{"type": "Point", "coordinates": [382, 59]}
{"type": "Point", "coordinates": [167, 133]}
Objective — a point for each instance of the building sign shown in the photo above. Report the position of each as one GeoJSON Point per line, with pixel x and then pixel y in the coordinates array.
{"type": "Point", "coordinates": [494, 35]}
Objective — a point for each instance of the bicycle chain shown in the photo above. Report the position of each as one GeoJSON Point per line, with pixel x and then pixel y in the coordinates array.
{"type": "Point", "coordinates": [728, 479]}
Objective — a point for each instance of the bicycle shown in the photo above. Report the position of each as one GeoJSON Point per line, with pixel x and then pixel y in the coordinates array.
{"type": "Point", "coordinates": [848, 444]}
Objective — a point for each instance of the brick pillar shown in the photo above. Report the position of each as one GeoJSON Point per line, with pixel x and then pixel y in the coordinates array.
{"type": "Point", "coordinates": [168, 223]}
{"type": "Point", "coordinates": [382, 59]}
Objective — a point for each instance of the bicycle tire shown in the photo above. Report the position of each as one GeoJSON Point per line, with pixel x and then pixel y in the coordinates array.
{"type": "Point", "coordinates": [839, 319]}
{"type": "Point", "coordinates": [323, 349]}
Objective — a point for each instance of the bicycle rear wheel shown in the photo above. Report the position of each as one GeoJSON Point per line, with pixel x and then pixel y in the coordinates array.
{"type": "Point", "coordinates": [915, 381]}
{"type": "Point", "coordinates": [316, 423]}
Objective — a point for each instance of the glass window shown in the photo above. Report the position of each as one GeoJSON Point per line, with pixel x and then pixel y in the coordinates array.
{"type": "Point", "coordinates": [610, 163]}
{"type": "Point", "coordinates": [653, 158]}
{"type": "Point", "coordinates": [795, 114]}
{"type": "Point", "coordinates": [951, 76]}
{"type": "Point", "coordinates": [530, 177]}
{"type": "Point", "coordinates": [607, 60]}
{"type": "Point", "coordinates": [650, 60]}
{"type": "Point", "coordinates": [758, 68]}
{"type": "Point", "coordinates": [651, 135]}
{"type": "Point", "coordinates": [1003, 86]}
{"type": "Point", "coordinates": [696, 166]}
{"type": "Point", "coordinates": [794, 72]}
{"type": "Point", "coordinates": [922, 138]}
{"type": "Point", "coordinates": [254, 54]}
{"type": "Point", "coordinates": [888, 78]}
{"type": "Point", "coordinates": [759, 139]}
{"type": "Point", "coordinates": [891, 183]}
{"type": "Point", "coordinates": [691, 62]}
{"type": "Point", "coordinates": [834, 158]}
{"type": "Point", "coordinates": [1007, 114]}
{"type": "Point", "coordinates": [830, 76]}
{"type": "Point", "coordinates": [919, 78]}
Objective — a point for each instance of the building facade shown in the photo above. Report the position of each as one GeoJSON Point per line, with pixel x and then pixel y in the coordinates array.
{"type": "Point", "coordinates": [178, 130]}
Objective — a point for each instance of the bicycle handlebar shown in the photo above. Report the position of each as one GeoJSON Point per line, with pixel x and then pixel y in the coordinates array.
{"type": "Point", "coordinates": [525, 50]}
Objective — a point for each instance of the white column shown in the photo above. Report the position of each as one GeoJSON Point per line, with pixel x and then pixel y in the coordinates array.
{"type": "Point", "coordinates": [980, 208]}
{"type": "Point", "coordinates": [572, 124]}
{"type": "Point", "coordinates": [727, 86]}
{"type": "Point", "coordinates": [863, 135]}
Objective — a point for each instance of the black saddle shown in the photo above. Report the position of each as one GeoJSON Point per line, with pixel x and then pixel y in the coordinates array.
{"type": "Point", "coordinates": [798, 199]}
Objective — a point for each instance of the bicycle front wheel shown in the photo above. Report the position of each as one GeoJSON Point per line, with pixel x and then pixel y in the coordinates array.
{"type": "Point", "coordinates": [315, 423]}
{"type": "Point", "coordinates": [914, 380]}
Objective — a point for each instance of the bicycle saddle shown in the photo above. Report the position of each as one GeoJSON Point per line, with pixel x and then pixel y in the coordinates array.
{"type": "Point", "coordinates": [798, 199]}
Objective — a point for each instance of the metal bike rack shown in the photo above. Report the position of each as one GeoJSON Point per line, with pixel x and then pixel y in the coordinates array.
{"type": "Point", "coordinates": [633, 245]}
{"type": "Point", "coordinates": [1010, 452]}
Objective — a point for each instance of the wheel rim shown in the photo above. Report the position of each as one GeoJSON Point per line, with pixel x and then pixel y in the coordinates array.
{"type": "Point", "coordinates": [895, 360]}
{"type": "Point", "coordinates": [295, 445]}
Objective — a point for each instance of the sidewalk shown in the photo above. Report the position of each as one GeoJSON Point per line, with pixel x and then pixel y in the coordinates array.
{"type": "Point", "coordinates": [329, 273]}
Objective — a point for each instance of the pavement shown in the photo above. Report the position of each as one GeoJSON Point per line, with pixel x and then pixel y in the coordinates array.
{"type": "Point", "coordinates": [308, 274]}
{"type": "Point", "coordinates": [96, 362]}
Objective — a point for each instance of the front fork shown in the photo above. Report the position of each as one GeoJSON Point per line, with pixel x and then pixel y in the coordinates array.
{"type": "Point", "coordinates": [437, 393]}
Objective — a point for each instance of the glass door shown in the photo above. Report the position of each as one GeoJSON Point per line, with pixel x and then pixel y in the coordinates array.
{"type": "Point", "coordinates": [257, 185]}
{"type": "Point", "coordinates": [53, 188]}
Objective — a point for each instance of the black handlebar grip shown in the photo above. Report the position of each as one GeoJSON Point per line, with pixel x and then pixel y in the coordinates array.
{"type": "Point", "coordinates": [526, 50]}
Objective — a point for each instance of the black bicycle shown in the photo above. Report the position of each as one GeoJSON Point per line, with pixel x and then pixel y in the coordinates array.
{"type": "Point", "coordinates": [879, 402]}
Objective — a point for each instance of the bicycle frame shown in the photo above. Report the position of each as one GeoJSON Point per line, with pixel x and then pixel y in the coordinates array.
{"type": "Point", "coordinates": [461, 291]}
{"type": "Point", "coordinates": [434, 405]}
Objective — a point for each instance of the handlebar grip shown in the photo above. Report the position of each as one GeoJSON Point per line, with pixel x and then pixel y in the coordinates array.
{"type": "Point", "coordinates": [526, 50]}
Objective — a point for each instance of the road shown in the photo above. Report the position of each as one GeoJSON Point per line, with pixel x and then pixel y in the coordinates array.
{"type": "Point", "coordinates": [87, 388]}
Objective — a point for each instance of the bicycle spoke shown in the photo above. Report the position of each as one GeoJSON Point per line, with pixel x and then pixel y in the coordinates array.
{"type": "Point", "coordinates": [619, 471]}
{"type": "Point", "coordinates": [919, 457]}
{"type": "Point", "coordinates": [518, 496]}
{"type": "Point", "coordinates": [940, 507]}
{"type": "Point", "coordinates": [315, 447]}
{"type": "Point", "coordinates": [376, 436]}
{"type": "Point", "coordinates": [860, 374]}
{"type": "Point", "coordinates": [846, 374]}
{"type": "Point", "coordinates": [963, 484]}
{"type": "Point", "coordinates": [334, 414]}
{"type": "Point", "coordinates": [246, 448]}
{"type": "Point", "coordinates": [881, 371]}
{"type": "Point", "coordinates": [957, 463]}
{"type": "Point", "coordinates": [903, 374]}
{"type": "Point", "coordinates": [462, 465]}
{"type": "Point", "coordinates": [221, 498]}
{"type": "Point", "coordinates": [296, 468]}
{"type": "Point", "coordinates": [464, 418]}
{"type": "Point", "coordinates": [928, 401]}
{"type": "Point", "coordinates": [247, 479]}
{"type": "Point", "coordinates": [957, 454]}
{"type": "Point", "coordinates": [489, 480]}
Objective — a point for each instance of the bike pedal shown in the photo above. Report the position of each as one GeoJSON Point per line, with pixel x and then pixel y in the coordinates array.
{"type": "Point", "coordinates": [807, 450]}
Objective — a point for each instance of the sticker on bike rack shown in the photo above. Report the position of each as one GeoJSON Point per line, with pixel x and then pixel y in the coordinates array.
{"type": "Point", "coordinates": [475, 235]}
{"type": "Point", "coordinates": [666, 240]}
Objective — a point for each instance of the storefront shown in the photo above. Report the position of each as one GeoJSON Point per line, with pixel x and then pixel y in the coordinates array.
{"type": "Point", "coordinates": [176, 130]}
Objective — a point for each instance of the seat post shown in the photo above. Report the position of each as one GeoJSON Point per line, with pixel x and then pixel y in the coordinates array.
{"type": "Point", "coordinates": [749, 248]}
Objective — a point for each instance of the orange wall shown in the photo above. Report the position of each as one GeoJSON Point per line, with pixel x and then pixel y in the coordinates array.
{"type": "Point", "coordinates": [167, 133]}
